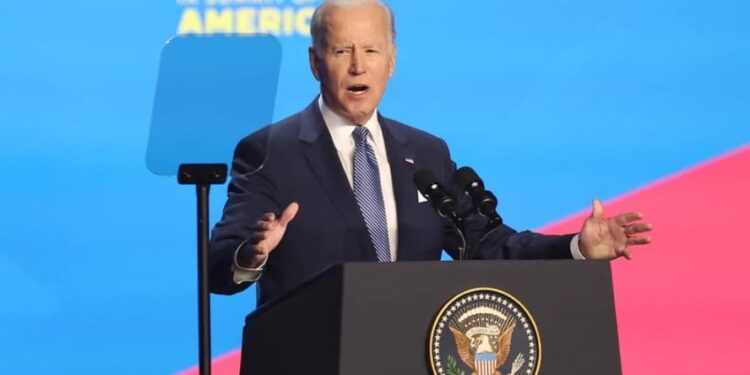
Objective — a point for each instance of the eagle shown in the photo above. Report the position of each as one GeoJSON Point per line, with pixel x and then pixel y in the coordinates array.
{"type": "Point", "coordinates": [477, 352]}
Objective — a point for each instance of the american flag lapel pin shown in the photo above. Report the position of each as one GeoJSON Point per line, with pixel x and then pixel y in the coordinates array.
{"type": "Point", "coordinates": [409, 160]}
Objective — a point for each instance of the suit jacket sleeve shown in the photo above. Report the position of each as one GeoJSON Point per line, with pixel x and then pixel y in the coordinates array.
{"type": "Point", "coordinates": [503, 242]}
{"type": "Point", "coordinates": [250, 195]}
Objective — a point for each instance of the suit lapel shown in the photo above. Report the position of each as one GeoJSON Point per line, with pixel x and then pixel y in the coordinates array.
{"type": "Point", "coordinates": [324, 161]}
{"type": "Point", "coordinates": [402, 174]}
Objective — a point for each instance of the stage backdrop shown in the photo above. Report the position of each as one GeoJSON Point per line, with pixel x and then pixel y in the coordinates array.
{"type": "Point", "coordinates": [644, 104]}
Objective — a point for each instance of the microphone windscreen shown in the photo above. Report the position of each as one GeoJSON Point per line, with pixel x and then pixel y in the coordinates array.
{"type": "Point", "coordinates": [466, 176]}
{"type": "Point", "coordinates": [424, 179]}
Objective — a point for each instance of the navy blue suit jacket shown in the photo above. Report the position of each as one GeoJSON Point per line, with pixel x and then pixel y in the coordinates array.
{"type": "Point", "coordinates": [300, 164]}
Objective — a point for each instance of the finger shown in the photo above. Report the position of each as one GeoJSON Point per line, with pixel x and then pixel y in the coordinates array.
{"type": "Point", "coordinates": [624, 252]}
{"type": "Point", "coordinates": [256, 237]}
{"type": "Point", "coordinates": [268, 216]}
{"type": "Point", "coordinates": [597, 210]}
{"type": "Point", "coordinates": [639, 241]}
{"type": "Point", "coordinates": [627, 254]}
{"type": "Point", "coordinates": [262, 225]}
{"type": "Point", "coordinates": [627, 218]}
{"type": "Point", "coordinates": [289, 213]}
{"type": "Point", "coordinates": [632, 229]}
{"type": "Point", "coordinates": [258, 249]}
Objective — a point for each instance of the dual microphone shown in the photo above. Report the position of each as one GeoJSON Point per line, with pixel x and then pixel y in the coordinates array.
{"type": "Point", "coordinates": [483, 201]}
{"type": "Point", "coordinates": [467, 181]}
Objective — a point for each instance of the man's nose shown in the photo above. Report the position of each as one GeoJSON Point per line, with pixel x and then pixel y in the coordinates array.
{"type": "Point", "coordinates": [356, 66]}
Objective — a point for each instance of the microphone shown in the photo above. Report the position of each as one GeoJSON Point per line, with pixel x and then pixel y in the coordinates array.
{"type": "Point", "coordinates": [441, 200]}
{"type": "Point", "coordinates": [484, 201]}
{"type": "Point", "coordinates": [443, 203]}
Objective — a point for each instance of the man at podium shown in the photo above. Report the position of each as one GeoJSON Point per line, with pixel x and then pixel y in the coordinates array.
{"type": "Point", "coordinates": [336, 185]}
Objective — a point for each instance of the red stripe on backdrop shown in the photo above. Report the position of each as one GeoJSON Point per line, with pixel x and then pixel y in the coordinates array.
{"type": "Point", "coordinates": [684, 301]}
{"type": "Point", "coordinates": [227, 364]}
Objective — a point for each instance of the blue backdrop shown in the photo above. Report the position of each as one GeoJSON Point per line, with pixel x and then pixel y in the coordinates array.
{"type": "Point", "coordinates": [552, 102]}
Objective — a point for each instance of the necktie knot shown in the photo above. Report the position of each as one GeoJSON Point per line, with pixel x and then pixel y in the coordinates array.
{"type": "Point", "coordinates": [360, 135]}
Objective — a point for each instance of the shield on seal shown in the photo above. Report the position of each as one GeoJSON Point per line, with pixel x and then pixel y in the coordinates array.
{"type": "Point", "coordinates": [485, 363]}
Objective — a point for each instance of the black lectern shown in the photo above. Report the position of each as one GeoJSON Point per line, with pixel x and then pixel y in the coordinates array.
{"type": "Point", "coordinates": [375, 318]}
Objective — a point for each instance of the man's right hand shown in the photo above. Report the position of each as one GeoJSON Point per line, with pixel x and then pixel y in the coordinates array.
{"type": "Point", "coordinates": [267, 233]}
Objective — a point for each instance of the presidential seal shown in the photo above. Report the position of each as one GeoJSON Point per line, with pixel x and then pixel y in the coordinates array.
{"type": "Point", "coordinates": [484, 331]}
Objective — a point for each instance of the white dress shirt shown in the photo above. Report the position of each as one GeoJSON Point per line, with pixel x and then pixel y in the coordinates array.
{"type": "Point", "coordinates": [341, 132]}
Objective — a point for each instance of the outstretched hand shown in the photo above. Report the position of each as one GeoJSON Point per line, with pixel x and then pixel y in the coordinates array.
{"type": "Point", "coordinates": [611, 237]}
{"type": "Point", "coordinates": [267, 233]}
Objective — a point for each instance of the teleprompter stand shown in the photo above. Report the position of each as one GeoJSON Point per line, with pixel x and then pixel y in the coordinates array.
{"type": "Point", "coordinates": [203, 176]}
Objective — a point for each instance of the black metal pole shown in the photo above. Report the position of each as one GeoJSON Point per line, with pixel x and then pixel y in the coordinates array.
{"type": "Point", "coordinates": [204, 298]}
{"type": "Point", "coordinates": [203, 176]}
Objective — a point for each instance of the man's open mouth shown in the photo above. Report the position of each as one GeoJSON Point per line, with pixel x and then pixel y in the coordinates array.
{"type": "Point", "coordinates": [358, 89]}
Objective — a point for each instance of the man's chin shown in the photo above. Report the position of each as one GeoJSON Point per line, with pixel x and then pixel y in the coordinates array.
{"type": "Point", "coordinates": [359, 117]}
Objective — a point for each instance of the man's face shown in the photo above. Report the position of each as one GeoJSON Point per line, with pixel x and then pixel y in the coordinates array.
{"type": "Point", "coordinates": [356, 61]}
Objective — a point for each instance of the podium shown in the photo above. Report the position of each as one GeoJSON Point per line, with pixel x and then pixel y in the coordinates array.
{"type": "Point", "coordinates": [376, 318]}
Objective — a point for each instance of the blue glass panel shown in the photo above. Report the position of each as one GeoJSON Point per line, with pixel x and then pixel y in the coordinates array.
{"type": "Point", "coordinates": [211, 92]}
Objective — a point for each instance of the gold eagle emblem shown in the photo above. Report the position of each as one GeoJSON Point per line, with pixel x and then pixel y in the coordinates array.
{"type": "Point", "coordinates": [482, 345]}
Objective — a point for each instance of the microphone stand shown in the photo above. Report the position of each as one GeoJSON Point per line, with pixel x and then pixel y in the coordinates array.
{"type": "Point", "coordinates": [203, 176]}
{"type": "Point", "coordinates": [493, 221]}
{"type": "Point", "coordinates": [458, 222]}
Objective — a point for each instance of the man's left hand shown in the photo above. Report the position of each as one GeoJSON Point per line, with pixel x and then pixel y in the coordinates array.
{"type": "Point", "coordinates": [611, 237]}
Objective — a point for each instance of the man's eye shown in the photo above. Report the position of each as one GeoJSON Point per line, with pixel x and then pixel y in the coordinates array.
{"type": "Point", "coordinates": [340, 51]}
{"type": "Point", "coordinates": [370, 50]}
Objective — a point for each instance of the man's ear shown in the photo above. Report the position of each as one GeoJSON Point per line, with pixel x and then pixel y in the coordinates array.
{"type": "Point", "coordinates": [314, 63]}
{"type": "Point", "coordinates": [392, 63]}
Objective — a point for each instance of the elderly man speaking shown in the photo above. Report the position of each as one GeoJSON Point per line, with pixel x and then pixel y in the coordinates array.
{"type": "Point", "coordinates": [336, 184]}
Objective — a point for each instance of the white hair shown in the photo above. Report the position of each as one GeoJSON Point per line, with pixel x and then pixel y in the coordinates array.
{"type": "Point", "coordinates": [318, 28]}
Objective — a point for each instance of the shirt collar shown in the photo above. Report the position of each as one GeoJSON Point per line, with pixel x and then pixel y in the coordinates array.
{"type": "Point", "coordinates": [339, 127]}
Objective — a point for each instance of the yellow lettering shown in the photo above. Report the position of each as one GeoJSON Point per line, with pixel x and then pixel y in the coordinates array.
{"type": "Point", "coordinates": [269, 21]}
{"type": "Point", "coordinates": [244, 21]}
{"type": "Point", "coordinates": [304, 16]}
{"type": "Point", "coordinates": [288, 21]}
{"type": "Point", "coordinates": [190, 22]}
{"type": "Point", "coordinates": [218, 22]}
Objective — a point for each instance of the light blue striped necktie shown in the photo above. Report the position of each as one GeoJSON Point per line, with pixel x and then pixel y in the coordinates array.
{"type": "Point", "coordinates": [369, 194]}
